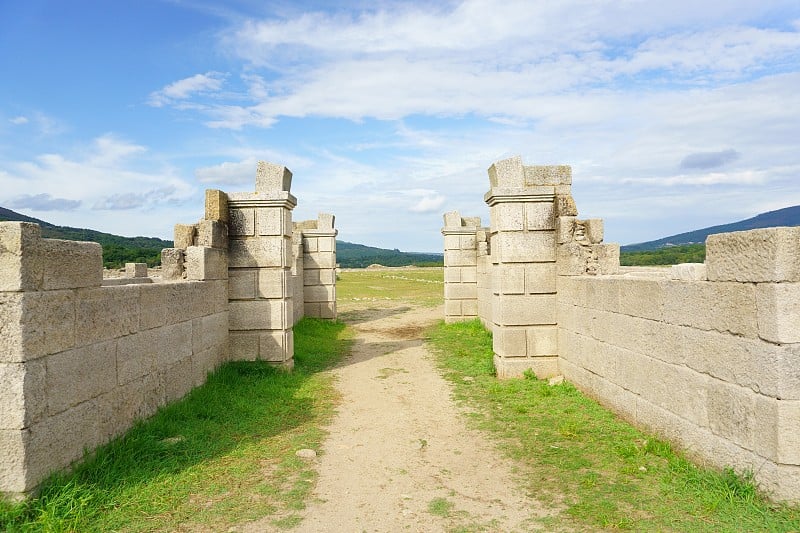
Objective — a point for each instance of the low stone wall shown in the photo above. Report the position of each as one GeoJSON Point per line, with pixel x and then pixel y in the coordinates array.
{"type": "Point", "coordinates": [82, 358]}
{"type": "Point", "coordinates": [79, 362]}
{"type": "Point", "coordinates": [705, 355]}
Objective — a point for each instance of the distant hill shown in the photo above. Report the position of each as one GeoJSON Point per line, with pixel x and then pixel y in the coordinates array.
{"type": "Point", "coordinates": [350, 255]}
{"type": "Point", "coordinates": [117, 250]}
{"type": "Point", "coordinates": [788, 216]}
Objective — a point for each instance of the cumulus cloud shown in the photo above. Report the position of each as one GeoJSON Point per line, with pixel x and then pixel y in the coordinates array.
{"type": "Point", "coordinates": [430, 202]}
{"type": "Point", "coordinates": [705, 160]}
{"type": "Point", "coordinates": [228, 172]}
{"type": "Point", "coordinates": [43, 202]}
{"type": "Point", "coordinates": [19, 120]}
{"type": "Point", "coordinates": [201, 84]}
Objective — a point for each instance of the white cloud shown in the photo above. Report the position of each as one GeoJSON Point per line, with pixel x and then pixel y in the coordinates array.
{"type": "Point", "coordinates": [17, 121]}
{"type": "Point", "coordinates": [228, 172]}
{"type": "Point", "coordinates": [203, 84]}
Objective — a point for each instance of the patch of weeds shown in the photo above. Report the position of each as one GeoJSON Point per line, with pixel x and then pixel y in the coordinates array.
{"type": "Point", "coordinates": [384, 373]}
{"type": "Point", "coordinates": [578, 455]}
{"type": "Point", "coordinates": [223, 454]}
{"type": "Point", "coordinates": [440, 507]}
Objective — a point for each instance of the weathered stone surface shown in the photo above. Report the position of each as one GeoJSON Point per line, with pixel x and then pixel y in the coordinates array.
{"type": "Point", "coordinates": [565, 206]}
{"type": "Point", "coordinates": [260, 314]}
{"type": "Point", "coordinates": [34, 324]}
{"type": "Point", "coordinates": [242, 222]}
{"type": "Point", "coordinates": [15, 478]}
{"type": "Point", "coordinates": [778, 307]}
{"type": "Point", "coordinates": [712, 306]}
{"type": "Point", "coordinates": [527, 247]}
{"type": "Point", "coordinates": [135, 270]}
{"type": "Point", "coordinates": [244, 345]}
{"type": "Point", "coordinates": [273, 221]}
{"type": "Point", "coordinates": [263, 252]}
{"type": "Point", "coordinates": [213, 234]}
{"type": "Point", "coordinates": [565, 228]}
{"type": "Point", "coordinates": [593, 228]}
{"type": "Point", "coordinates": [325, 221]}
{"type": "Point", "coordinates": [759, 255]}
{"type": "Point", "coordinates": [184, 235]}
{"type": "Point", "coordinates": [75, 376]}
{"type": "Point", "coordinates": [689, 272]}
{"type": "Point", "coordinates": [272, 177]}
{"type": "Point", "coordinates": [172, 263]}
{"type": "Point", "coordinates": [106, 313]}
{"type": "Point", "coordinates": [71, 264]}
{"type": "Point", "coordinates": [548, 175]}
{"type": "Point", "coordinates": [206, 263]}
{"type": "Point", "coordinates": [242, 283]}
{"type": "Point", "coordinates": [22, 396]}
{"type": "Point", "coordinates": [514, 367]}
{"type": "Point", "coordinates": [216, 207]}
{"type": "Point", "coordinates": [20, 266]}
{"type": "Point", "coordinates": [507, 173]}
{"type": "Point", "coordinates": [323, 293]}
{"type": "Point", "coordinates": [452, 219]}
{"type": "Point", "coordinates": [523, 310]}
{"type": "Point", "coordinates": [643, 298]}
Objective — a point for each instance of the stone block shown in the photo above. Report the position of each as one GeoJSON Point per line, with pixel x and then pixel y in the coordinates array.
{"type": "Point", "coordinates": [136, 400]}
{"type": "Point", "coordinates": [276, 346]}
{"type": "Point", "coordinates": [260, 314]}
{"type": "Point", "coordinates": [539, 216]}
{"type": "Point", "coordinates": [106, 313]}
{"type": "Point", "coordinates": [573, 290]}
{"type": "Point", "coordinates": [21, 268]}
{"type": "Point", "coordinates": [174, 342]}
{"type": "Point", "coordinates": [325, 221]}
{"type": "Point", "coordinates": [208, 332]}
{"type": "Point", "coordinates": [242, 222]}
{"type": "Point", "coordinates": [565, 206]}
{"type": "Point", "coordinates": [273, 221]}
{"type": "Point", "coordinates": [244, 345]}
{"type": "Point", "coordinates": [172, 264]}
{"type": "Point", "coordinates": [593, 230]}
{"type": "Point", "coordinates": [319, 260]}
{"type": "Point", "coordinates": [604, 293]}
{"type": "Point", "coordinates": [510, 342]}
{"type": "Point", "coordinates": [263, 252]}
{"type": "Point", "coordinates": [642, 298]}
{"type": "Point", "coordinates": [452, 275]}
{"type": "Point", "coordinates": [70, 264]}
{"type": "Point", "coordinates": [572, 259]}
{"type": "Point", "coordinates": [205, 362]}
{"type": "Point", "coordinates": [273, 283]}
{"type": "Point", "coordinates": [565, 229]}
{"type": "Point", "coordinates": [452, 308]}
{"type": "Point", "coordinates": [508, 217]}
{"type": "Point", "coordinates": [524, 310]}
{"type": "Point", "coordinates": [453, 258]}
{"type": "Point", "coordinates": [689, 272]}
{"type": "Point", "coordinates": [607, 258]}
{"type": "Point", "coordinates": [525, 247]}
{"type": "Point", "coordinates": [320, 293]}
{"type": "Point", "coordinates": [469, 308]}
{"type": "Point", "coordinates": [512, 279]}
{"type": "Point", "coordinates": [34, 324]}
{"type": "Point", "coordinates": [213, 234]}
{"type": "Point", "coordinates": [469, 275]}
{"type": "Point", "coordinates": [184, 235]}
{"type": "Point", "coordinates": [15, 479]}
{"type": "Point", "coordinates": [135, 270]}
{"type": "Point", "coordinates": [731, 411]}
{"type": "Point", "coordinates": [507, 173]}
{"type": "Point", "coordinates": [540, 278]}
{"type": "Point", "coordinates": [206, 263]}
{"type": "Point", "coordinates": [271, 177]}
{"type": "Point", "coordinates": [542, 340]}
{"type": "Point", "coordinates": [548, 175]}
{"type": "Point", "coordinates": [136, 354]}
{"type": "Point", "coordinates": [760, 255]}
{"type": "Point", "coordinates": [22, 397]}
{"type": "Point", "coordinates": [216, 205]}
{"type": "Point", "coordinates": [717, 306]}
{"type": "Point", "coordinates": [471, 222]}
{"type": "Point", "coordinates": [310, 244]}
{"type": "Point", "coordinates": [178, 380]}
{"type": "Point", "coordinates": [242, 284]}
{"type": "Point", "coordinates": [81, 374]}
{"type": "Point", "coordinates": [514, 367]}
{"type": "Point", "coordinates": [452, 219]}
{"type": "Point", "coordinates": [778, 307]}
{"type": "Point", "coordinates": [327, 244]}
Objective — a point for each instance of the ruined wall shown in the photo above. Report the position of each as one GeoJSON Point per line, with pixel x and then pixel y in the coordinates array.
{"type": "Point", "coordinates": [460, 267]}
{"type": "Point", "coordinates": [705, 355]}
{"type": "Point", "coordinates": [710, 362]}
{"type": "Point", "coordinates": [79, 361]}
{"type": "Point", "coordinates": [82, 358]}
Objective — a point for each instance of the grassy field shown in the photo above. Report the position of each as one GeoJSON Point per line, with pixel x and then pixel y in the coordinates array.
{"type": "Point", "coordinates": [360, 289]}
{"type": "Point", "coordinates": [579, 457]}
{"type": "Point", "coordinates": [224, 454]}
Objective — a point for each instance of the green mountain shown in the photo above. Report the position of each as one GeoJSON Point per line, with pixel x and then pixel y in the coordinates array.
{"type": "Point", "coordinates": [120, 250]}
{"type": "Point", "coordinates": [350, 255]}
{"type": "Point", "coordinates": [788, 216]}
{"type": "Point", "coordinates": [117, 250]}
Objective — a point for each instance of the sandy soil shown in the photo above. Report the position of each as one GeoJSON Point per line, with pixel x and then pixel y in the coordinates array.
{"type": "Point", "coordinates": [400, 456]}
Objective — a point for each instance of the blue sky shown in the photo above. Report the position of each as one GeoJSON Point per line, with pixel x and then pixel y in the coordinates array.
{"type": "Point", "coordinates": [116, 115]}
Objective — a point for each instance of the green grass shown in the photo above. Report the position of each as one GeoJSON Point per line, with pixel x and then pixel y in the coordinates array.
{"type": "Point", "coordinates": [223, 454]}
{"type": "Point", "coordinates": [579, 457]}
{"type": "Point", "coordinates": [359, 289]}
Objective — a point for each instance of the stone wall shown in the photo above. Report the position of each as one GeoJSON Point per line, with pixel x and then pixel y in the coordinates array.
{"type": "Point", "coordinates": [706, 355]}
{"type": "Point", "coordinates": [82, 358]}
{"type": "Point", "coordinates": [79, 361]}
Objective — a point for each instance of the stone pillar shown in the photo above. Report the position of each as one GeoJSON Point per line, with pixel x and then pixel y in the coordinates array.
{"type": "Point", "coordinates": [460, 267]}
{"type": "Point", "coordinates": [319, 267]}
{"type": "Point", "coordinates": [522, 202]}
{"type": "Point", "coordinates": [259, 270]}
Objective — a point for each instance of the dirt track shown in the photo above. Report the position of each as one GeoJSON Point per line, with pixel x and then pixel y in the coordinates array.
{"type": "Point", "coordinates": [400, 456]}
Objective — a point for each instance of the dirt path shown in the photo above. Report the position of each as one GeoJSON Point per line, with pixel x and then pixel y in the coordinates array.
{"type": "Point", "coordinates": [400, 456]}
